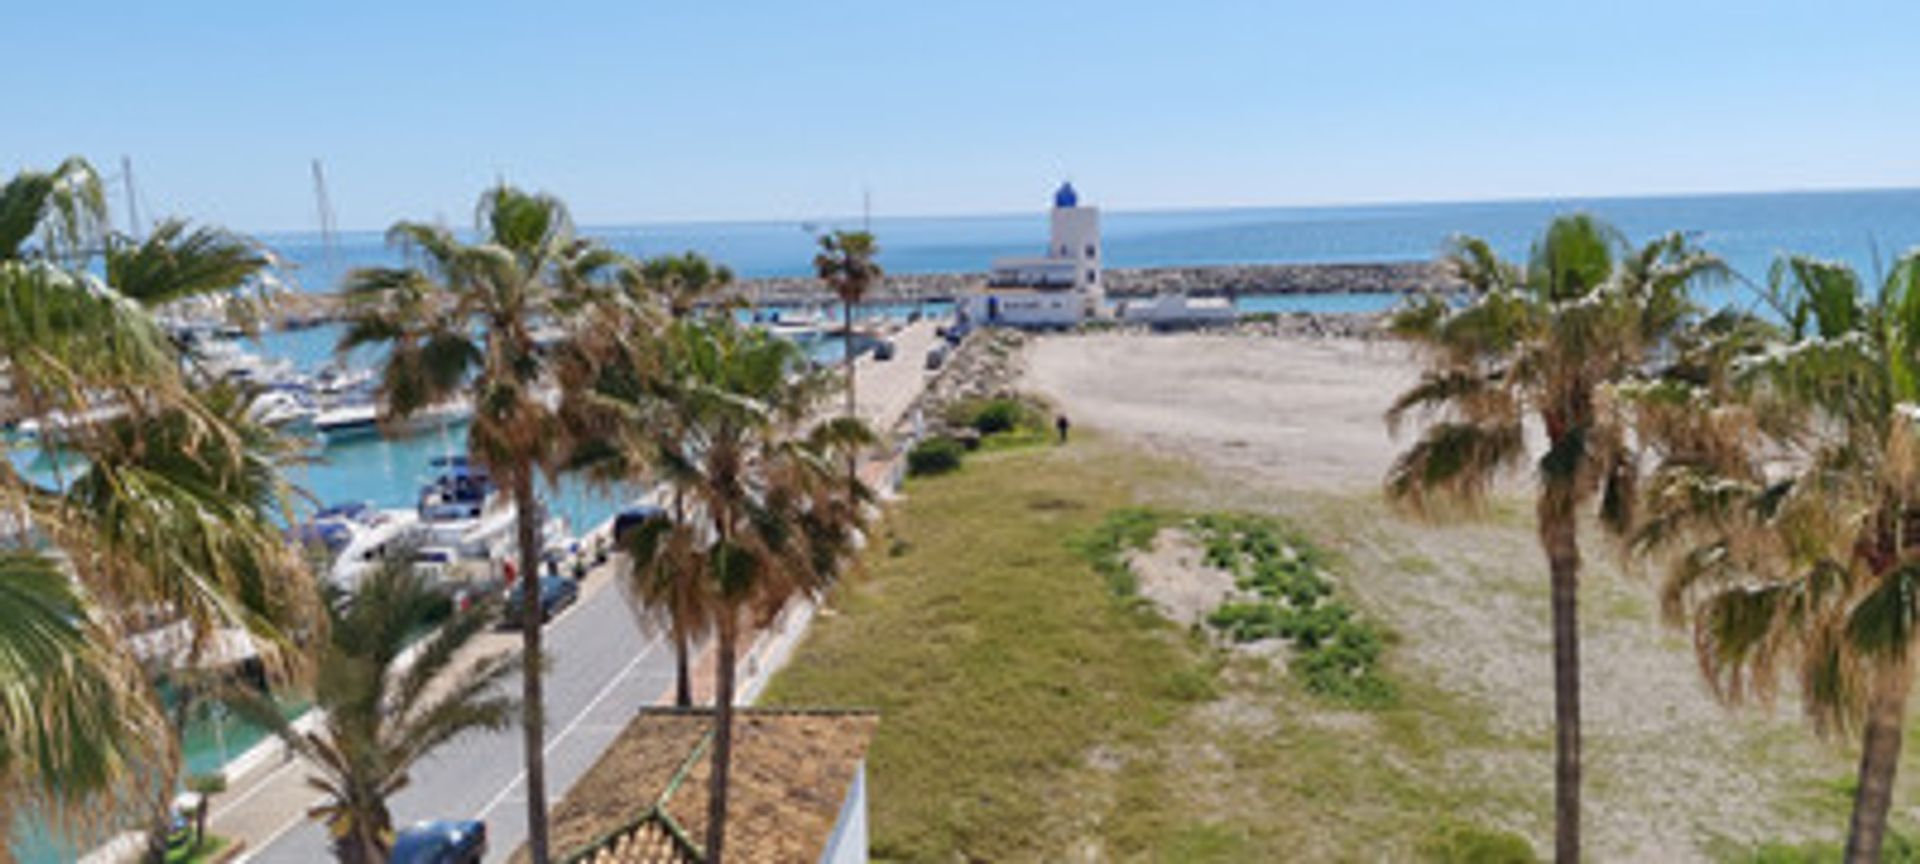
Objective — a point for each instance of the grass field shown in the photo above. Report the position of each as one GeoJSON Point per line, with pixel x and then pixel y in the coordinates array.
{"type": "Point", "coordinates": [1031, 715]}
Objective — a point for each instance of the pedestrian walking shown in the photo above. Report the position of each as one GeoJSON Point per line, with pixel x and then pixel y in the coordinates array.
{"type": "Point", "coordinates": [1061, 424]}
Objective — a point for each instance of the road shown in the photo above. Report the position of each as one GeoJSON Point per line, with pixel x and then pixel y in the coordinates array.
{"type": "Point", "coordinates": [602, 670]}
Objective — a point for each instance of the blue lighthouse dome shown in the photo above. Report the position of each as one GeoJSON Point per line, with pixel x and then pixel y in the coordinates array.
{"type": "Point", "coordinates": [1065, 196]}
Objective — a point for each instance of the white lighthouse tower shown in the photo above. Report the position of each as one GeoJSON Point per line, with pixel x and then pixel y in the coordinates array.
{"type": "Point", "coordinates": [1058, 289]}
{"type": "Point", "coordinates": [1076, 236]}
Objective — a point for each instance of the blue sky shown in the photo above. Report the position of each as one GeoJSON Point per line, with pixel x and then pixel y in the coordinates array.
{"type": "Point", "coordinates": [641, 112]}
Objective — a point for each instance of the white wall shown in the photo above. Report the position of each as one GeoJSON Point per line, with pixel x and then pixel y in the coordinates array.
{"type": "Point", "coordinates": [1076, 236]}
{"type": "Point", "coordinates": [849, 842]}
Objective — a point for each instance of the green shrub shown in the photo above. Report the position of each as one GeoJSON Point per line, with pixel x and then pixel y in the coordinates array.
{"type": "Point", "coordinates": [999, 415]}
{"type": "Point", "coordinates": [1128, 528]}
{"type": "Point", "coordinates": [934, 456]}
{"type": "Point", "coordinates": [995, 416]}
{"type": "Point", "coordinates": [1456, 843]}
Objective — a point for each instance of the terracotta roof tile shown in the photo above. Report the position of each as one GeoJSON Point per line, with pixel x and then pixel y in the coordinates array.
{"type": "Point", "coordinates": [645, 801]}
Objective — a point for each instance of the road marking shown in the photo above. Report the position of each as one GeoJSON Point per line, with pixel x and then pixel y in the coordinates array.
{"type": "Point", "coordinates": [275, 836]}
{"type": "Point", "coordinates": [291, 763]}
{"type": "Point", "coordinates": [553, 742]}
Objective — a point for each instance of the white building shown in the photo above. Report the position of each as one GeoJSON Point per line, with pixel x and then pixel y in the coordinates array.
{"type": "Point", "coordinates": [1058, 289]}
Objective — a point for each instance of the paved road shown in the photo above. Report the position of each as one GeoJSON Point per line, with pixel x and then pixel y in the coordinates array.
{"type": "Point", "coordinates": [603, 669]}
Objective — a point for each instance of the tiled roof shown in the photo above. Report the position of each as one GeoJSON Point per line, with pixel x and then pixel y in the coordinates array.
{"type": "Point", "coordinates": [645, 801]}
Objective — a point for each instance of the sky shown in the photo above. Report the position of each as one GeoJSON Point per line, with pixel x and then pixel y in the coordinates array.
{"type": "Point", "coordinates": [640, 112]}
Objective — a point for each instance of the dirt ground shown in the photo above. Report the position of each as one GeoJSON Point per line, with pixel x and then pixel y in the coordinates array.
{"type": "Point", "coordinates": [1294, 426]}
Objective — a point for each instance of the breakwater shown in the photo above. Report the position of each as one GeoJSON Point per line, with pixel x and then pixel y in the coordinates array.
{"type": "Point", "coordinates": [1225, 280]}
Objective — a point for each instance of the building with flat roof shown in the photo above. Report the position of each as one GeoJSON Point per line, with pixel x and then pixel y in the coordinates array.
{"type": "Point", "coordinates": [1060, 288]}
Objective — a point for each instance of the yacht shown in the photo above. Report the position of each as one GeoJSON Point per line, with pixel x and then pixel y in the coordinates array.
{"type": "Point", "coordinates": [362, 538]}
{"type": "Point", "coordinates": [462, 510]}
{"type": "Point", "coordinates": [360, 417]}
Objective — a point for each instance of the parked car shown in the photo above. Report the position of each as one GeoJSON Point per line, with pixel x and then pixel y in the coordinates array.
{"type": "Point", "coordinates": [441, 841]}
{"type": "Point", "coordinates": [633, 516]}
{"type": "Point", "coordinates": [556, 592]}
{"type": "Point", "coordinates": [936, 356]}
{"type": "Point", "coordinates": [883, 350]}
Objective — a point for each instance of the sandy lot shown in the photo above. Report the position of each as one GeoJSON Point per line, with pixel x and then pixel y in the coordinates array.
{"type": "Point", "coordinates": [1306, 413]}
{"type": "Point", "coordinates": [1294, 427]}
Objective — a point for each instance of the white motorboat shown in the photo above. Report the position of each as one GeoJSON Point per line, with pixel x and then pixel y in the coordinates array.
{"type": "Point", "coordinates": [371, 537]}
{"type": "Point", "coordinates": [361, 417]}
{"type": "Point", "coordinates": [462, 510]}
{"type": "Point", "coordinates": [282, 409]}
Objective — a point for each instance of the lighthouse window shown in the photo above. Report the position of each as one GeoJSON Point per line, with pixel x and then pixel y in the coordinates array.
{"type": "Point", "coordinates": [1093, 276]}
{"type": "Point", "coordinates": [1089, 250]}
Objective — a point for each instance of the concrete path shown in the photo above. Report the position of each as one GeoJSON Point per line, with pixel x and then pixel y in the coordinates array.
{"type": "Point", "coordinates": [884, 389]}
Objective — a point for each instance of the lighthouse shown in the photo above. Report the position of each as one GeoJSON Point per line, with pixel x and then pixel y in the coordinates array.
{"type": "Point", "coordinates": [1059, 288]}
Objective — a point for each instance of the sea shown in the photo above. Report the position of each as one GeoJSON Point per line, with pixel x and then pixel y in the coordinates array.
{"type": "Point", "coordinates": [1867, 229]}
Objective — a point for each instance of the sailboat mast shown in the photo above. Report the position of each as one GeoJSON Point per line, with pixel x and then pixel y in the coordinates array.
{"type": "Point", "coordinates": [133, 204]}
{"type": "Point", "coordinates": [325, 205]}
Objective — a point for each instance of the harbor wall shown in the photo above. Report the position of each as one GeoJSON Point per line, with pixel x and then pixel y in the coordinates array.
{"type": "Point", "coordinates": [1222, 280]}
{"type": "Point", "coordinates": [1228, 280]}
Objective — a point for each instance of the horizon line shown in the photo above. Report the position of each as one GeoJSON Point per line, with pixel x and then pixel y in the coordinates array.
{"type": "Point", "coordinates": [588, 227]}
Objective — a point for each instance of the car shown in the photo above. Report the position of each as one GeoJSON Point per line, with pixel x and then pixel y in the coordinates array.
{"type": "Point", "coordinates": [936, 357]}
{"type": "Point", "coordinates": [633, 516]}
{"type": "Point", "coordinates": [556, 592]}
{"type": "Point", "coordinates": [441, 841]}
{"type": "Point", "coordinates": [883, 350]}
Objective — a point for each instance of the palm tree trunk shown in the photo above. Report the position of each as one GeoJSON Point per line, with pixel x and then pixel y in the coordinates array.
{"type": "Point", "coordinates": [722, 740]}
{"type": "Point", "coordinates": [846, 337]}
{"type": "Point", "coordinates": [532, 708]}
{"type": "Point", "coordinates": [1879, 759]}
{"type": "Point", "coordinates": [1557, 534]}
{"type": "Point", "coordinates": [683, 677]}
{"type": "Point", "coordinates": [853, 465]}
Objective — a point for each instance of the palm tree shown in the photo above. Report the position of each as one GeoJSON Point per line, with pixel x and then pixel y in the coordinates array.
{"type": "Point", "coordinates": [685, 283]}
{"type": "Point", "coordinates": [765, 521]}
{"type": "Point", "coordinates": [461, 318]}
{"type": "Point", "coordinates": [1544, 343]}
{"type": "Point", "coordinates": [79, 738]}
{"type": "Point", "coordinates": [65, 207]}
{"type": "Point", "coordinates": [171, 516]}
{"type": "Point", "coordinates": [380, 717]}
{"type": "Point", "coordinates": [637, 414]}
{"type": "Point", "coordinates": [1789, 465]}
{"type": "Point", "coordinates": [846, 263]}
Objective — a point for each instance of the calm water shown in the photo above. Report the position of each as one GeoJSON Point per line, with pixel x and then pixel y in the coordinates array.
{"type": "Point", "coordinates": [1748, 230]}
{"type": "Point", "coordinates": [1862, 228]}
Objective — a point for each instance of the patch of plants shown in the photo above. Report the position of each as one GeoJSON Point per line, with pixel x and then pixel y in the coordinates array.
{"type": "Point", "coordinates": [934, 456]}
{"type": "Point", "coordinates": [1336, 652]}
{"type": "Point", "coordinates": [1106, 546]}
{"type": "Point", "coordinates": [1001, 421]}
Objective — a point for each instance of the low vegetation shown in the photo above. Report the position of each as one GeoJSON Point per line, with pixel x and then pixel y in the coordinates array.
{"type": "Point", "coordinates": [934, 456]}
{"type": "Point", "coordinates": [1002, 422]}
{"type": "Point", "coordinates": [1336, 653]}
{"type": "Point", "coordinates": [1035, 708]}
